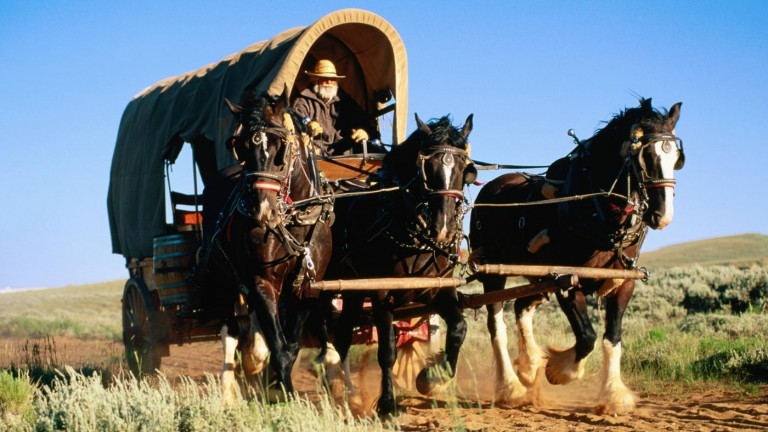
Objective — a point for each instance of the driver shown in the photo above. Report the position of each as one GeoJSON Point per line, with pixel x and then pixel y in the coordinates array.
{"type": "Point", "coordinates": [336, 121]}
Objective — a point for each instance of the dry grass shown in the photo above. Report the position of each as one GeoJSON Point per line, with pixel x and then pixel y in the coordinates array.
{"type": "Point", "coordinates": [739, 250]}
{"type": "Point", "coordinates": [91, 310]}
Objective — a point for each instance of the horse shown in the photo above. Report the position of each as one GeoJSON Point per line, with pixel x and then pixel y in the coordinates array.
{"type": "Point", "coordinates": [414, 230]}
{"type": "Point", "coordinates": [625, 175]}
{"type": "Point", "coordinates": [267, 235]}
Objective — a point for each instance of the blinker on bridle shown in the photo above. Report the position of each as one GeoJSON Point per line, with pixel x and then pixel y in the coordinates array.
{"type": "Point", "coordinates": [445, 151]}
{"type": "Point", "coordinates": [268, 180]}
{"type": "Point", "coordinates": [640, 144]}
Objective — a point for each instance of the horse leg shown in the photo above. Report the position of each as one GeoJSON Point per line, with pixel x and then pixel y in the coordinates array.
{"type": "Point", "coordinates": [431, 379]}
{"type": "Point", "coordinates": [266, 309]}
{"type": "Point", "coordinates": [564, 366]}
{"type": "Point", "coordinates": [387, 354]}
{"type": "Point", "coordinates": [614, 397]}
{"type": "Point", "coordinates": [255, 352]}
{"type": "Point", "coordinates": [293, 315]}
{"type": "Point", "coordinates": [328, 360]}
{"type": "Point", "coordinates": [529, 355]}
{"type": "Point", "coordinates": [508, 386]}
{"type": "Point", "coordinates": [228, 382]}
{"type": "Point", "coordinates": [350, 315]}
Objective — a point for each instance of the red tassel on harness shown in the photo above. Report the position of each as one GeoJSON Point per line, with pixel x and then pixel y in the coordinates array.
{"type": "Point", "coordinates": [626, 210]}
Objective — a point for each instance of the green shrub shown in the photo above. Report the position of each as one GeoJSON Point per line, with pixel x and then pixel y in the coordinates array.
{"type": "Point", "coordinates": [16, 400]}
{"type": "Point", "coordinates": [700, 297]}
{"type": "Point", "coordinates": [742, 359]}
{"type": "Point", "coordinates": [81, 403]}
{"type": "Point", "coordinates": [726, 326]}
{"type": "Point", "coordinates": [26, 327]}
{"type": "Point", "coordinates": [715, 288]}
{"type": "Point", "coordinates": [653, 305]}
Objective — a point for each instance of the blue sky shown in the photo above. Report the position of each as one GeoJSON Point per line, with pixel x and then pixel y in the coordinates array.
{"type": "Point", "coordinates": [529, 71]}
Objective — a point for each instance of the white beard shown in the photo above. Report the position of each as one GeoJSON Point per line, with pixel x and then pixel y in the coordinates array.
{"type": "Point", "coordinates": [326, 92]}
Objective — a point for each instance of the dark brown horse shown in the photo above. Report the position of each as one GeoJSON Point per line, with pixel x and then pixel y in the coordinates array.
{"type": "Point", "coordinates": [627, 170]}
{"type": "Point", "coordinates": [412, 231]}
{"type": "Point", "coordinates": [267, 234]}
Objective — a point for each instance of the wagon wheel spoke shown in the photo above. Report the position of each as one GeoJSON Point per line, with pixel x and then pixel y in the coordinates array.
{"type": "Point", "coordinates": [142, 353]}
{"type": "Point", "coordinates": [136, 313]}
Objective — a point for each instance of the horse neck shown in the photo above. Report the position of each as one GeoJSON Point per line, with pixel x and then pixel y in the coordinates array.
{"type": "Point", "coordinates": [605, 167]}
{"type": "Point", "coordinates": [402, 161]}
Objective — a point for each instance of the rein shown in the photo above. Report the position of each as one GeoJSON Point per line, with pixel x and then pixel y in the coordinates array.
{"type": "Point", "coordinates": [416, 231]}
{"type": "Point", "coordinates": [554, 200]}
{"type": "Point", "coordinates": [280, 183]}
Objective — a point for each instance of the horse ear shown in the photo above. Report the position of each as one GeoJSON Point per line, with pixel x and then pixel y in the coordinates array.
{"type": "Point", "coordinates": [674, 115]}
{"type": "Point", "coordinates": [285, 97]}
{"type": "Point", "coordinates": [282, 101]}
{"type": "Point", "coordinates": [233, 107]}
{"type": "Point", "coordinates": [467, 127]}
{"type": "Point", "coordinates": [422, 126]}
{"type": "Point", "coordinates": [646, 104]}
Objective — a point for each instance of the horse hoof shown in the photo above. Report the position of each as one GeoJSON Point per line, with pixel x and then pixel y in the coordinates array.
{"type": "Point", "coordinates": [562, 367]}
{"type": "Point", "coordinates": [386, 407]}
{"type": "Point", "coordinates": [431, 380]}
{"type": "Point", "coordinates": [423, 384]}
{"type": "Point", "coordinates": [512, 394]}
{"type": "Point", "coordinates": [615, 407]}
{"type": "Point", "coordinates": [616, 399]}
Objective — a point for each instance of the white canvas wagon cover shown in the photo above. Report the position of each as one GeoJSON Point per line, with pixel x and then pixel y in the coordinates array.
{"type": "Point", "coordinates": [191, 108]}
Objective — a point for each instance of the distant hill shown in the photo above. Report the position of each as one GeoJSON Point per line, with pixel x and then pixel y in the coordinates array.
{"type": "Point", "coordinates": [739, 250]}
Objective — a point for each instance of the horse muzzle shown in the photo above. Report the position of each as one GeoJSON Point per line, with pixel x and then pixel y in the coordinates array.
{"type": "Point", "coordinates": [659, 220]}
{"type": "Point", "coordinates": [266, 213]}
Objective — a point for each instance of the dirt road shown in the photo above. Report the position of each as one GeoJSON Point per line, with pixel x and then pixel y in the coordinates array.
{"type": "Point", "coordinates": [561, 408]}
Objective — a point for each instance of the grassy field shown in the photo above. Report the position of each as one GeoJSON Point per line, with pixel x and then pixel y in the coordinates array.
{"type": "Point", "coordinates": [740, 250]}
{"type": "Point", "coordinates": [84, 311]}
{"type": "Point", "coordinates": [687, 326]}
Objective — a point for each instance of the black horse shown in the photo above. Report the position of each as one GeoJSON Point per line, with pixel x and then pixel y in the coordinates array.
{"type": "Point", "coordinates": [625, 175]}
{"type": "Point", "coordinates": [414, 230]}
{"type": "Point", "coordinates": [267, 234]}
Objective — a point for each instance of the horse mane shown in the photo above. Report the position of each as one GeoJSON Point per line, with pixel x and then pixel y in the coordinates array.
{"type": "Point", "coordinates": [617, 130]}
{"type": "Point", "coordinates": [444, 132]}
{"type": "Point", "coordinates": [402, 157]}
{"type": "Point", "coordinates": [255, 111]}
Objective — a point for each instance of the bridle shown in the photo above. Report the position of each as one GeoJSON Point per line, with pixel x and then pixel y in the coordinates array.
{"type": "Point", "coordinates": [634, 164]}
{"type": "Point", "coordinates": [447, 154]}
{"type": "Point", "coordinates": [635, 157]}
{"type": "Point", "coordinates": [309, 214]}
{"type": "Point", "coordinates": [271, 180]}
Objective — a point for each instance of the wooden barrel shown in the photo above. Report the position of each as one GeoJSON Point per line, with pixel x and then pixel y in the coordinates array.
{"type": "Point", "coordinates": [174, 256]}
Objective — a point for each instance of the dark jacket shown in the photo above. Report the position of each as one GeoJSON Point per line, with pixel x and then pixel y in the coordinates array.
{"type": "Point", "coordinates": [337, 118]}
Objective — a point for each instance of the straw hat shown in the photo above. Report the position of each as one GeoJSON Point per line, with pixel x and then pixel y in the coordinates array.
{"type": "Point", "coordinates": [324, 69]}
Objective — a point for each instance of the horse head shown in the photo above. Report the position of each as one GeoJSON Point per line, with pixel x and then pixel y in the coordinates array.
{"type": "Point", "coordinates": [265, 144]}
{"type": "Point", "coordinates": [654, 153]}
{"type": "Point", "coordinates": [444, 167]}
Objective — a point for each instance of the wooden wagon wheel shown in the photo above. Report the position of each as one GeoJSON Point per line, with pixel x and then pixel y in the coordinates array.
{"type": "Point", "coordinates": [139, 310]}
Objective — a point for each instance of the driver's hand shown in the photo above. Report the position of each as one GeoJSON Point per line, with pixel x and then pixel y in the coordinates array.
{"type": "Point", "coordinates": [314, 128]}
{"type": "Point", "coordinates": [359, 135]}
